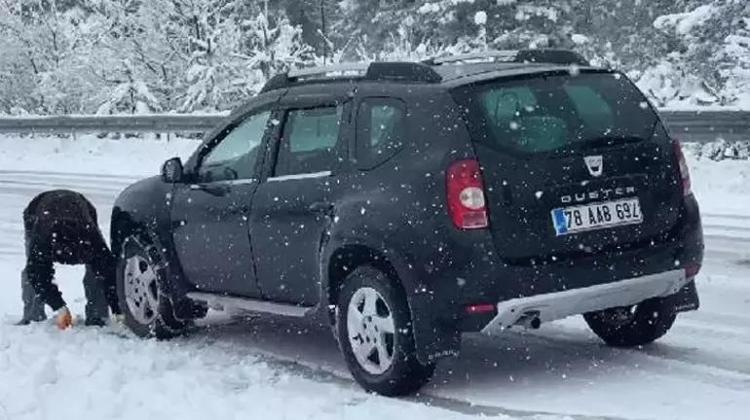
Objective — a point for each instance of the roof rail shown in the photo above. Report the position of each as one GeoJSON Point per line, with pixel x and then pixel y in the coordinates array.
{"type": "Point", "coordinates": [491, 55]}
{"type": "Point", "coordinates": [551, 56]}
{"type": "Point", "coordinates": [332, 71]}
{"type": "Point", "coordinates": [382, 71]}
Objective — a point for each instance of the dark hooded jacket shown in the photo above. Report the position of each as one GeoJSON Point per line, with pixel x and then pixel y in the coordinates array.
{"type": "Point", "coordinates": [61, 227]}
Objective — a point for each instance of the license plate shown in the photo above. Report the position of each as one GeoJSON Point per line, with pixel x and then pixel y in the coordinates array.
{"type": "Point", "coordinates": [596, 216]}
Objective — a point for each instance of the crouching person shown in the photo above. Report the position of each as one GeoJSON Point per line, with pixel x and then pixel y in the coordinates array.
{"type": "Point", "coordinates": [61, 227]}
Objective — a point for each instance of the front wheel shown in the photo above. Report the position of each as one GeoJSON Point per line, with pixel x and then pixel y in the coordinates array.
{"type": "Point", "coordinates": [375, 335]}
{"type": "Point", "coordinates": [140, 272]}
{"type": "Point", "coordinates": [632, 326]}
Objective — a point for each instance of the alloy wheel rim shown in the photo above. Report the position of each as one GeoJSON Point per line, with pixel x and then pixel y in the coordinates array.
{"type": "Point", "coordinates": [141, 293]}
{"type": "Point", "coordinates": [371, 330]}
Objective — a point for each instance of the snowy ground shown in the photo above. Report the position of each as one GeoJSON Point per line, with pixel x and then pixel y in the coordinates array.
{"type": "Point", "coordinates": [279, 369]}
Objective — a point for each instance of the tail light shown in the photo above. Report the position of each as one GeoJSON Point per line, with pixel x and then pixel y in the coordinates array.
{"type": "Point", "coordinates": [692, 270]}
{"type": "Point", "coordinates": [466, 202]}
{"type": "Point", "coordinates": [682, 165]}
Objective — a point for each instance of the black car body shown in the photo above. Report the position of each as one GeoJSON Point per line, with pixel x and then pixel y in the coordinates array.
{"type": "Point", "coordinates": [458, 182]}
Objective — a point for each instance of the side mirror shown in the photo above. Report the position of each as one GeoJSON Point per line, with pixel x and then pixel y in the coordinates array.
{"type": "Point", "coordinates": [171, 171]}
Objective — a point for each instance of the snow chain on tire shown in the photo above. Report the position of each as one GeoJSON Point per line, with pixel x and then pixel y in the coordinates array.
{"type": "Point", "coordinates": [160, 266]}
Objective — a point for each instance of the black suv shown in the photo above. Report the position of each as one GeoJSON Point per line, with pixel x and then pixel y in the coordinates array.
{"type": "Point", "coordinates": [407, 203]}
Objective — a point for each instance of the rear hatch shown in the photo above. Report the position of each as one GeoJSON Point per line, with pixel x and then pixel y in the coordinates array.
{"type": "Point", "coordinates": [556, 146]}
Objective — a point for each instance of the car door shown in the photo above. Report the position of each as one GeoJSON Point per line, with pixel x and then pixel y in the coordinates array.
{"type": "Point", "coordinates": [210, 213]}
{"type": "Point", "coordinates": [292, 208]}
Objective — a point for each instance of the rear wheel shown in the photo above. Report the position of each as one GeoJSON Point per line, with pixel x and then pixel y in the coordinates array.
{"type": "Point", "coordinates": [375, 335]}
{"type": "Point", "coordinates": [631, 326]}
{"type": "Point", "coordinates": [140, 275]}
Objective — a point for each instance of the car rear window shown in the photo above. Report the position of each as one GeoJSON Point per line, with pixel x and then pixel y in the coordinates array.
{"type": "Point", "coordinates": [554, 112]}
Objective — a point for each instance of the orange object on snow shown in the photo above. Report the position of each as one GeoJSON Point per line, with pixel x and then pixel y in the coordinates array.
{"type": "Point", "coordinates": [64, 318]}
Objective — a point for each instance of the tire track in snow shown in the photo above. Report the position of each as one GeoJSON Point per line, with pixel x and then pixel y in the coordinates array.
{"type": "Point", "coordinates": [726, 216]}
{"type": "Point", "coordinates": [724, 372]}
{"type": "Point", "coordinates": [67, 175]}
{"type": "Point", "coordinates": [238, 328]}
{"type": "Point", "coordinates": [564, 349]}
{"type": "Point", "coordinates": [723, 227]}
{"type": "Point", "coordinates": [17, 180]}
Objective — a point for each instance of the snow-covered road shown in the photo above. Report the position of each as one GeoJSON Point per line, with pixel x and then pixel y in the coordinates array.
{"type": "Point", "coordinates": [274, 368]}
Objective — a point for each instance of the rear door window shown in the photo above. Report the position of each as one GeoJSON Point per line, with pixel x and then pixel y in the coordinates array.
{"type": "Point", "coordinates": [310, 141]}
{"type": "Point", "coordinates": [554, 112]}
{"type": "Point", "coordinates": [380, 130]}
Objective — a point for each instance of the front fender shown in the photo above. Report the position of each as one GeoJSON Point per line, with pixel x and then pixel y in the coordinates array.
{"type": "Point", "coordinates": [143, 206]}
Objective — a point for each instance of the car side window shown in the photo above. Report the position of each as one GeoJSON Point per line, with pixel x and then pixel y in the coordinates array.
{"type": "Point", "coordinates": [309, 142]}
{"type": "Point", "coordinates": [380, 130]}
{"type": "Point", "coordinates": [235, 156]}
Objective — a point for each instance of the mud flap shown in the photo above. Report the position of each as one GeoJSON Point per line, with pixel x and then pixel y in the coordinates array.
{"type": "Point", "coordinates": [686, 299]}
{"type": "Point", "coordinates": [433, 339]}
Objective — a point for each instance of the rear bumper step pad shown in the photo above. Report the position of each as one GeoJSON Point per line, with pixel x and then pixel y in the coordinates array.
{"type": "Point", "coordinates": [553, 306]}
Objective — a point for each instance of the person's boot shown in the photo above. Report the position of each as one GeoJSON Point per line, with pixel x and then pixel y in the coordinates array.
{"type": "Point", "coordinates": [94, 322]}
{"type": "Point", "coordinates": [97, 310]}
{"type": "Point", "coordinates": [33, 307]}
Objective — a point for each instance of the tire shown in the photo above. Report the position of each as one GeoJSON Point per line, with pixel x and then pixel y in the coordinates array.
{"type": "Point", "coordinates": [633, 325]}
{"type": "Point", "coordinates": [371, 307]}
{"type": "Point", "coordinates": [146, 308]}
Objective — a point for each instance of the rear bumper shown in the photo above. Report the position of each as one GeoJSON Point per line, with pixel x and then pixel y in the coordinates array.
{"type": "Point", "coordinates": [474, 274]}
{"type": "Point", "coordinates": [680, 248]}
{"type": "Point", "coordinates": [552, 306]}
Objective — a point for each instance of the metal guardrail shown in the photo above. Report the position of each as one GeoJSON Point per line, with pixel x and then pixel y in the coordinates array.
{"type": "Point", "coordinates": [707, 126]}
{"type": "Point", "coordinates": [159, 123]}
{"type": "Point", "coordinates": [688, 126]}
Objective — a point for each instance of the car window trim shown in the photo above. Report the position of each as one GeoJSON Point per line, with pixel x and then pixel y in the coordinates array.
{"type": "Point", "coordinates": [310, 175]}
{"type": "Point", "coordinates": [228, 182]}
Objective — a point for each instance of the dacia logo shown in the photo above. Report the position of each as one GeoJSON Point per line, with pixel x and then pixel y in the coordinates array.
{"type": "Point", "coordinates": [595, 165]}
{"type": "Point", "coordinates": [602, 194]}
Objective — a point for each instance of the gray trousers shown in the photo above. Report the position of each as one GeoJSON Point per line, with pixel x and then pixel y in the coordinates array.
{"type": "Point", "coordinates": [96, 303]}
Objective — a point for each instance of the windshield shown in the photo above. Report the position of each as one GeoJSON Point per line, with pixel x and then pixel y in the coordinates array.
{"type": "Point", "coordinates": [553, 112]}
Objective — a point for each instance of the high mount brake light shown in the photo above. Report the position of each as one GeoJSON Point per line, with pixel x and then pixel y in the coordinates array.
{"type": "Point", "coordinates": [683, 167]}
{"type": "Point", "coordinates": [466, 202]}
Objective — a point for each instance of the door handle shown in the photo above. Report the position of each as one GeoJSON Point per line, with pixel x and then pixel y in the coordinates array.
{"type": "Point", "coordinates": [320, 207]}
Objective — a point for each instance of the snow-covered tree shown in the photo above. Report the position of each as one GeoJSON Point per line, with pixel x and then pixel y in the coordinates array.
{"type": "Point", "coordinates": [232, 48]}
{"type": "Point", "coordinates": [272, 44]}
{"type": "Point", "coordinates": [50, 40]}
{"type": "Point", "coordinates": [712, 42]}
{"type": "Point", "coordinates": [126, 56]}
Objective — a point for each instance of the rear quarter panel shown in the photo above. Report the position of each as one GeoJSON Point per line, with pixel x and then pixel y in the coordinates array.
{"type": "Point", "coordinates": [399, 208]}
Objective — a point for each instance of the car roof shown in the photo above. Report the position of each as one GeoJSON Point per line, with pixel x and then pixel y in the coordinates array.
{"type": "Point", "coordinates": [444, 71]}
{"type": "Point", "coordinates": [448, 75]}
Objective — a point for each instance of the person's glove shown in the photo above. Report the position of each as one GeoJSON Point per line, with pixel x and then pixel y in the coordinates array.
{"type": "Point", "coordinates": [63, 318]}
